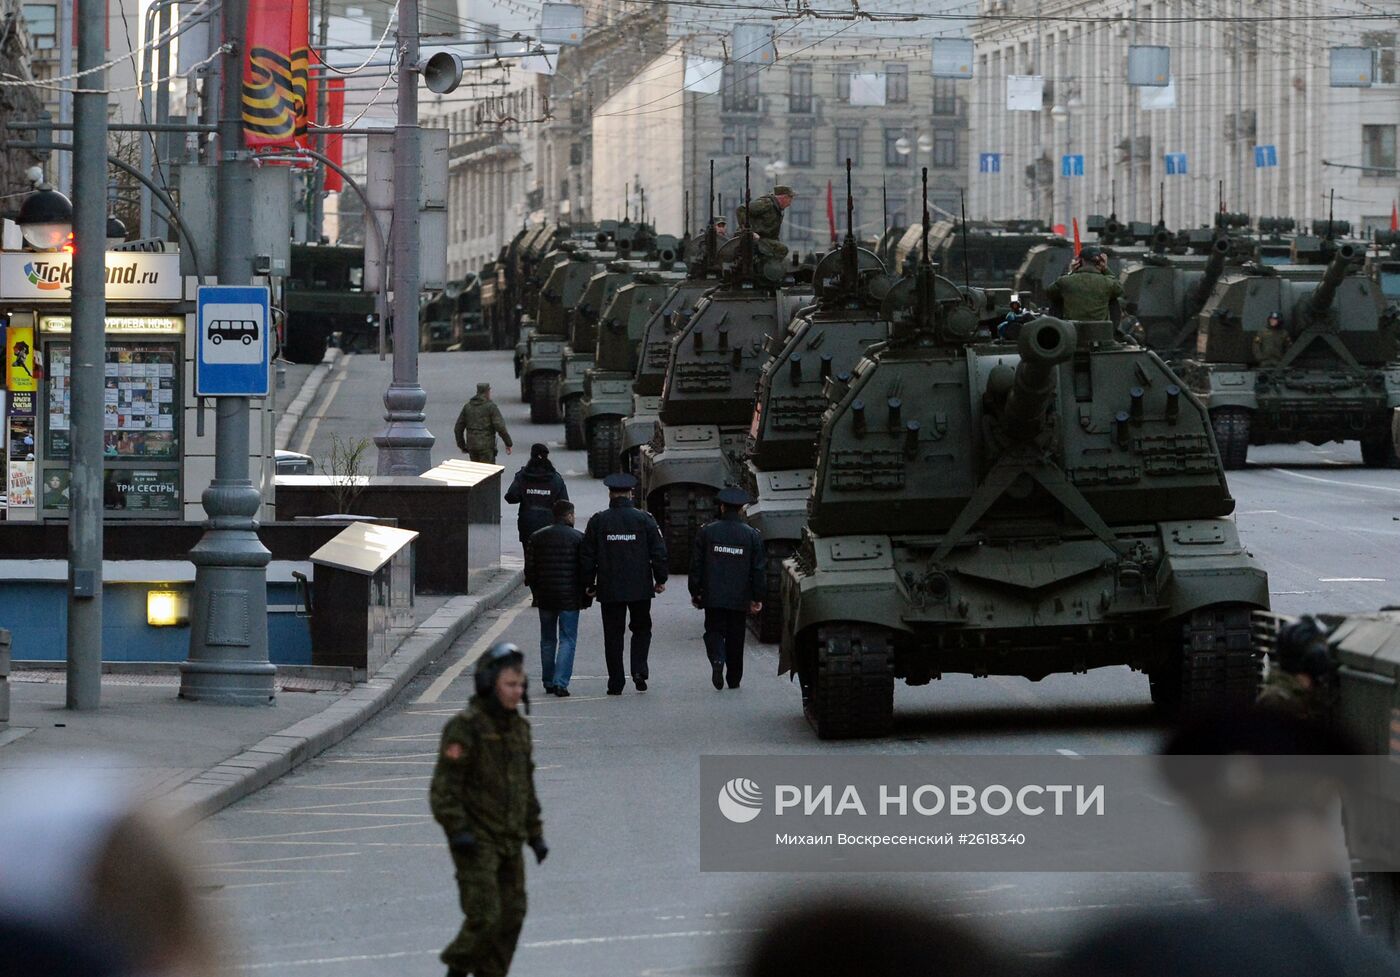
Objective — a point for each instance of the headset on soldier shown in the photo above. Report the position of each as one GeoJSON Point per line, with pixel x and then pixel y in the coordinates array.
{"type": "Point", "coordinates": [499, 657]}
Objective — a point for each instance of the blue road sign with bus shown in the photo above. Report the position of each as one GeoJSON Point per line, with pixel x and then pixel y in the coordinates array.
{"type": "Point", "coordinates": [1072, 165]}
{"type": "Point", "coordinates": [232, 342]}
{"type": "Point", "coordinates": [1176, 164]}
{"type": "Point", "coordinates": [989, 163]}
{"type": "Point", "coordinates": [1265, 156]}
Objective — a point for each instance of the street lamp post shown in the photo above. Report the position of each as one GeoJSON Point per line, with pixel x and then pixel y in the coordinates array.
{"type": "Point", "coordinates": [1064, 115]}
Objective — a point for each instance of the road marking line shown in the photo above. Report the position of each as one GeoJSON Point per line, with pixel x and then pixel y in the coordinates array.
{"type": "Point", "coordinates": [340, 814]}
{"type": "Point", "coordinates": [291, 871]}
{"type": "Point", "coordinates": [415, 796]}
{"type": "Point", "coordinates": [1335, 481]}
{"type": "Point", "coordinates": [440, 684]}
{"type": "Point", "coordinates": [358, 844]}
{"type": "Point", "coordinates": [288, 858]}
{"type": "Point", "coordinates": [327, 831]}
{"type": "Point", "coordinates": [345, 784]}
{"type": "Point", "coordinates": [310, 433]}
{"type": "Point", "coordinates": [1351, 580]}
{"type": "Point", "coordinates": [1063, 752]}
{"type": "Point", "coordinates": [389, 763]}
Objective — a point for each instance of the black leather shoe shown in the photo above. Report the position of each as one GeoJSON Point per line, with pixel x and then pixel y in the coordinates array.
{"type": "Point", "coordinates": [561, 692]}
{"type": "Point", "coordinates": [733, 685]}
{"type": "Point", "coordinates": [717, 675]}
{"type": "Point", "coordinates": [614, 692]}
{"type": "Point", "coordinates": [641, 684]}
{"type": "Point", "coordinates": [549, 690]}
{"type": "Point", "coordinates": [453, 972]}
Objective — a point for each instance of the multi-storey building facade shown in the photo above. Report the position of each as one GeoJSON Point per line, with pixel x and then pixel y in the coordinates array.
{"type": "Point", "coordinates": [1250, 114]}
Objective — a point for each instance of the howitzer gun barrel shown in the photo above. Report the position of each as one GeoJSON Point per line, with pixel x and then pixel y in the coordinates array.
{"type": "Point", "coordinates": [1321, 298]}
{"type": "Point", "coordinates": [1045, 343]}
{"type": "Point", "coordinates": [1215, 267]}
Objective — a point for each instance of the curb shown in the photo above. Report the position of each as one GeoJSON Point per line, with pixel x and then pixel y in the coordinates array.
{"type": "Point", "coordinates": [290, 420]}
{"type": "Point", "coordinates": [275, 755]}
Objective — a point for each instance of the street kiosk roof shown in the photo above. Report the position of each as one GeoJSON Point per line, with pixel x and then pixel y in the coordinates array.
{"type": "Point", "coordinates": [363, 547]}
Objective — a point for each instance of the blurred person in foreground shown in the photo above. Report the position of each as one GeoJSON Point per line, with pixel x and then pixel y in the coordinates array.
{"type": "Point", "coordinates": [848, 937]}
{"type": "Point", "coordinates": [81, 858]}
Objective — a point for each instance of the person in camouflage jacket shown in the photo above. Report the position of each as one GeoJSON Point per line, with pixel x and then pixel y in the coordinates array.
{"type": "Point", "coordinates": [483, 795]}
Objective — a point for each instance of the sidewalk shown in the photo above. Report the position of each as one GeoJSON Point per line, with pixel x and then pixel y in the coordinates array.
{"type": "Point", "coordinates": [200, 758]}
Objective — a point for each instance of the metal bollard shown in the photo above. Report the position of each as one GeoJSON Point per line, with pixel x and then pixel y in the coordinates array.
{"type": "Point", "coordinates": [4, 676]}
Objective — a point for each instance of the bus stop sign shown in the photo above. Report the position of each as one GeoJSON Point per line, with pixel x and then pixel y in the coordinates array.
{"type": "Point", "coordinates": [232, 345]}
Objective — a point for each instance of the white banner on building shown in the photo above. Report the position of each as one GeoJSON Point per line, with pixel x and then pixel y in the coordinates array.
{"type": "Point", "coordinates": [1025, 93]}
{"type": "Point", "coordinates": [868, 89]}
{"type": "Point", "coordinates": [702, 75]}
{"type": "Point", "coordinates": [1152, 99]}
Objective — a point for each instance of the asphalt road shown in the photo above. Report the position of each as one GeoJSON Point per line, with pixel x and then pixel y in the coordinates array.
{"type": "Point", "coordinates": [339, 869]}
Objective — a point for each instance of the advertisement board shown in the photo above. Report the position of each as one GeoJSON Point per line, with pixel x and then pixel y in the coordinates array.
{"type": "Point", "coordinates": [47, 276]}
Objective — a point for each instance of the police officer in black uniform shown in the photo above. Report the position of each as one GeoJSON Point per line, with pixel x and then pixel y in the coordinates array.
{"type": "Point", "coordinates": [535, 489]}
{"type": "Point", "coordinates": [623, 564]}
{"type": "Point", "coordinates": [727, 580]}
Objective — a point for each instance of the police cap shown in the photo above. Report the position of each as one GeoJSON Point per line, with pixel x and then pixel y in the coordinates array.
{"type": "Point", "coordinates": [734, 496]}
{"type": "Point", "coordinates": [620, 482]}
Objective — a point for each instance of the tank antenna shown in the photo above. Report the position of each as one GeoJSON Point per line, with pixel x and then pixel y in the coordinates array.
{"type": "Point", "coordinates": [746, 193]}
{"type": "Point", "coordinates": [1112, 198]}
{"type": "Point", "coordinates": [711, 234]}
{"type": "Point", "coordinates": [850, 203]}
{"type": "Point", "coordinates": [626, 203]}
{"type": "Point", "coordinates": [924, 259]}
{"type": "Point", "coordinates": [642, 194]}
{"type": "Point", "coordinates": [1220, 195]}
{"type": "Point", "coordinates": [1162, 203]}
{"type": "Point", "coordinates": [686, 231]}
{"type": "Point", "coordinates": [884, 204]}
{"type": "Point", "coordinates": [1331, 202]}
{"type": "Point", "coordinates": [967, 267]}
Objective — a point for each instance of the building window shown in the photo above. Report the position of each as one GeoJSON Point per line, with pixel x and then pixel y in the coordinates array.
{"type": "Point", "coordinates": [739, 88]}
{"type": "Point", "coordinates": [751, 140]}
{"type": "Point", "coordinates": [42, 20]}
{"type": "Point", "coordinates": [896, 83]}
{"type": "Point", "coordinates": [800, 149]}
{"type": "Point", "coordinates": [576, 154]}
{"type": "Point", "coordinates": [945, 96]}
{"type": "Point", "coordinates": [893, 157]}
{"type": "Point", "coordinates": [728, 146]}
{"type": "Point", "coordinates": [1382, 47]}
{"type": "Point", "coordinates": [843, 82]}
{"type": "Point", "coordinates": [945, 148]}
{"type": "Point", "coordinates": [1378, 150]}
{"type": "Point", "coordinates": [798, 223]}
{"type": "Point", "coordinates": [848, 145]}
{"type": "Point", "coordinates": [800, 88]}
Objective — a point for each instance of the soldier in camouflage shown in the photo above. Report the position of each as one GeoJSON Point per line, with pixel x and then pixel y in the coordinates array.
{"type": "Point", "coordinates": [483, 795]}
{"type": "Point", "coordinates": [1272, 343]}
{"type": "Point", "coordinates": [765, 219]}
{"type": "Point", "coordinates": [477, 426]}
{"type": "Point", "coordinates": [1090, 292]}
{"type": "Point", "coordinates": [1300, 676]}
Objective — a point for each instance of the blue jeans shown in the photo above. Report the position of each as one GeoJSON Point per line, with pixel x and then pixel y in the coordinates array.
{"type": "Point", "coordinates": [558, 630]}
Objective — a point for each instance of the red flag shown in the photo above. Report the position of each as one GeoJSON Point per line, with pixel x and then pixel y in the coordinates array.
{"type": "Point", "coordinates": [1074, 221]}
{"type": "Point", "coordinates": [335, 118]}
{"type": "Point", "coordinates": [275, 72]}
{"type": "Point", "coordinates": [1394, 218]}
{"type": "Point", "coordinates": [831, 210]}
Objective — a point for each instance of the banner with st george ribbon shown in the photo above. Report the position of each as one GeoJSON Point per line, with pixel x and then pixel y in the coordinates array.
{"type": "Point", "coordinates": [276, 73]}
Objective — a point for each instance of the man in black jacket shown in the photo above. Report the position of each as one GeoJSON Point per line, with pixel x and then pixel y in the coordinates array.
{"type": "Point", "coordinates": [535, 489]}
{"type": "Point", "coordinates": [623, 563]}
{"type": "Point", "coordinates": [552, 574]}
{"type": "Point", "coordinates": [727, 579]}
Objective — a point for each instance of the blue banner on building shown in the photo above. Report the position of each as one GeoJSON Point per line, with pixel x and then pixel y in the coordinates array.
{"type": "Point", "coordinates": [989, 163]}
{"type": "Point", "coordinates": [1265, 156]}
{"type": "Point", "coordinates": [1072, 165]}
{"type": "Point", "coordinates": [1176, 164]}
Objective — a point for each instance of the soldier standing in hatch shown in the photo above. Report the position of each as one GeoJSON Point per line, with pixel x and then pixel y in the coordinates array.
{"type": "Point", "coordinates": [727, 579]}
{"type": "Point", "coordinates": [477, 426]}
{"type": "Point", "coordinates": [1273, 342]}
{"type": "Point", "coordinates": [765, 220]}
{"type": "Point", "coordinates": [624, 564]}
{"type": "Point", "coordinates": [483, 795]}
{"type": "Point", "coordinates": [1090, 292]}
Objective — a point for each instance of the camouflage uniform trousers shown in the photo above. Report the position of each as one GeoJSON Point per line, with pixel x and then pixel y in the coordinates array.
{"type": "Point", "coordinates": [491, 886]}
{"type": "Point", "coordinates": [486, 456]}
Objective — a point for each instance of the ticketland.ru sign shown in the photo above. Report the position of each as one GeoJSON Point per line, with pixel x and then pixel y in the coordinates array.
{"type": "Point", "coordinates": [47, 276]}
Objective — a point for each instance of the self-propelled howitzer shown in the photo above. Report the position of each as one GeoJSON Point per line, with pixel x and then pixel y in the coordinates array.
{"type": "Point", "coordinates": [991, 510]}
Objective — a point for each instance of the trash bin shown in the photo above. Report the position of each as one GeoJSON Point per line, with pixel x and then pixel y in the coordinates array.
{"type": "Point", "coordinates": [362, 596]}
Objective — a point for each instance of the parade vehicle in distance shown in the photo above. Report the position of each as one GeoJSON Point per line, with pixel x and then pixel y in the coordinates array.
{"type": "Point", "coordinates": [451, 318]}
{"type": "Point", "coordinates": [325, 300]}
{"type": "Point", "coordinates": [979, 508]}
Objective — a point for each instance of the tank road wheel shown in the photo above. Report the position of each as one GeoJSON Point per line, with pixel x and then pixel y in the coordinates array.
{"type": "Point", "coordinates": [852, 688]}
{"type": "Point", "coordinates": [544, 398]}
{"type": "Point", "coordinates": [1379, 451]}
{"type": "Point", "coordinates": [604, 444]}
{"type": "Point", "coordinates": [1214, 665]}
{"type": "Point", "coordinates": [574, 438]}
{"type": "Point", "coordinates": [1231, 426]}
{"type": "Point", "coordinates": [684, 509]}
{"type": "Point", "coordinates": [767, 624]}
{"type": "Point", "coordinates": [1378, 904]}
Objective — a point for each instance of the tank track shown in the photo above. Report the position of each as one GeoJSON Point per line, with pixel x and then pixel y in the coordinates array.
{"type": "Point", "coordinates": [1220, 663]}
{"type": "Point", "coordinates": [604, 447]}
{"type": "Point", "coordinates": [852, 689]}
{"type": "Point", "coordinates": [684, 509]}
{"type": "Point", "coordinates": [767, 624]}
{"type": "Point", "coordinates": [574, 437]}
{"type": "Point", "coordinates": [1378, 904]}
{"type": "Point", "coordinates": [1379, 451]}
{"type": "Point", "coordinates": [544, 398]}
{"type": "Point", "coordinates": [1231, 426]}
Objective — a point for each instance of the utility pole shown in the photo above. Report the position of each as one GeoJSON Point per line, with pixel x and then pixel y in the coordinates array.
{"type": "Point", "coordinates": [323, 103]}
{"type": "Point", "coordinates": [65, 101]}
{"type": "Point", "coordinates": [87, 358]}
{"type": "Point", "coordinates": [228, 660]}
{"type": "Point", "coordinates": [406, 445]}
